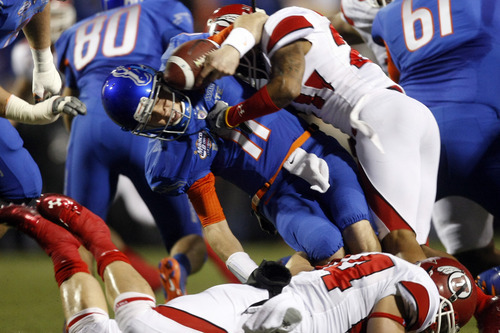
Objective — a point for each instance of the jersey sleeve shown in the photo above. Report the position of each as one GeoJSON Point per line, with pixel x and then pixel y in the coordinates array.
{"type": "Point", "coordinates": [205, 200]}
{"type": "Point", "coordinates": [173, 166]}
{"type": "Point", "coordinates": [284, 27]}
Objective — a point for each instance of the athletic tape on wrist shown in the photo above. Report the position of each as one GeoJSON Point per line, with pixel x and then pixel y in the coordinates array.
{"type": "Point", "coordinates": [42, 59]}
{"type": "Point", "coordinates": [23, 112]}
{"type": "Point", "coordinates": [241, 39]}
{"type": "Point", "coordinates": [241, 265]}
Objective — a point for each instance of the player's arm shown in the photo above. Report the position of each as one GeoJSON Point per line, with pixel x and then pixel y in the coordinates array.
{"type": "Point", "coordinates": [245, 33]}
{"type": "Point", "coordinates": [288, 65]}
{"type": "Point", "coordinates": [37, 31]}
{"type": "Point", "coordinates": [216, 229]}
{"type": "Point", "coordinates": [386, 316]}
{"type": "Point", "coordinates": [46, 78]}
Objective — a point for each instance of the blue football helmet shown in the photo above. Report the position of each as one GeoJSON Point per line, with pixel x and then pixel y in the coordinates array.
{"type": "Point", "coordinates": [129, 95]}
{"type": "Point", "coordinates": [110, 4]}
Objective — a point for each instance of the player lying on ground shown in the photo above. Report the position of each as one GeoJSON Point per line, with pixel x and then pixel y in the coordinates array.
{"type": "Point", "coordinates": [368, 292]}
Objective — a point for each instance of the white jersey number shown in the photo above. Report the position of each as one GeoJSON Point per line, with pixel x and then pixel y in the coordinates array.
{"type": "Point", "coordinates": [423, 17]}
{"type": "Point", "coordinates": [88, 36]}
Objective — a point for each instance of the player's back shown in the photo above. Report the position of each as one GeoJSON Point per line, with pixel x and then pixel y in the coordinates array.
{"type": "Point", "coordinates": [335, 76]}
{"type": "Point", "coordinates": [140, 33]}
{"type": "Point", "coordinates": [445, 50]}
{"type": "Point", "coordinates": [344, 296]}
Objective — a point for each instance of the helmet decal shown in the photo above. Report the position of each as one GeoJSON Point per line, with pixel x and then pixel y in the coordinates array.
{"type": "Point", "coordinates": [139, 78]}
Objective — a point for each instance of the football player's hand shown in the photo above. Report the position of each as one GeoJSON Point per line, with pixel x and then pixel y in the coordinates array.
{"type": "Point", "coordinates": [221, 62]}
{"type": "Point", "coordinates": [69, 105]}
{"type": "Point", "coordinates": [46, 78]}
{"type": "Point", "coordinates": [217, 120]}
{"type": "Point", "coordinates": [280, 314]}
{"type": "Point", "coordinates": [270, 275]}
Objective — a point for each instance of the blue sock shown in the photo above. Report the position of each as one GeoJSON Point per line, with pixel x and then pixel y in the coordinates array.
{"type": "Point", "coordinates": [185, 266]}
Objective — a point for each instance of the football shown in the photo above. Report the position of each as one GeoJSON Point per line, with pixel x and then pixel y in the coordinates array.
{"type": "Point", "coordinates": [186, 63]}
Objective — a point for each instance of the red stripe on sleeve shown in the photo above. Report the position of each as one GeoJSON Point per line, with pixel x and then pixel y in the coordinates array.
{"type": "Point", "coordinates": [189, 320]}
{"type": "Point", "coordinates": [285, 27]}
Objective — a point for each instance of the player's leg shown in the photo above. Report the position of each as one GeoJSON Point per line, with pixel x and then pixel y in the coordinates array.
{"type": "Point", "coordinates": [301, 222]}
{"type": "Point", "coordinates": [392, 178]}
{"type": "Point", "coordinates": [345, 202]}
{"type": "Point", "coordinates": [82, 298]}
{"type": "Point", "coordinates": [20, 179]}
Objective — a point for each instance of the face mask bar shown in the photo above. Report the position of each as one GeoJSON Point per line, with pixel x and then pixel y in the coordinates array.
{"type": "Point", "coordinates": [445, 318]}
{"type": "Point", "coordinates": [145, 107]}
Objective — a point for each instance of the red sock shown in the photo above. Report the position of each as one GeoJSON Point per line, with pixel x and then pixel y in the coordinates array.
{"type": "Point", "coordinates": [62, 248]}
{"type": "Point", "coordinates": [107, 258]}
{"type": "Point", "coordinates": [482, 300]}
{"type": "Point", "coordinates": [67, 264]}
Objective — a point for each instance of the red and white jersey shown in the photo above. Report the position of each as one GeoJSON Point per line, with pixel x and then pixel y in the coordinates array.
{"type": "Point", "coordinates": [336, 76]}
{"type": "Point", "coordinates": [337, 298]}
{"type": "Point", "coordinates": [360, 15]}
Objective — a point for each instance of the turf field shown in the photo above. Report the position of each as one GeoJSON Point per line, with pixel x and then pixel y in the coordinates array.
{"type": "Point", "coordinates": [29, 297]}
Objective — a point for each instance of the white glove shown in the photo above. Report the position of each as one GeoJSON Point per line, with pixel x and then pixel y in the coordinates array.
{"type": "Point", "coordinates": [44, 112]}
{"type": "Point", "coordinates": [278, 315]}
{"type": "Point", "coordinates": [46, 78]}
{"type": "Point", "coordinates": [309, 167]}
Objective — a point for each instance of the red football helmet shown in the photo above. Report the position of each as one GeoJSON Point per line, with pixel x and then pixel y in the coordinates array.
{"type": "Point", "coordinates": [457, 291]}
{"type": "Point", "coordinates": [252, 68]}
{"type": "Point", "coordinates": [223, 17]}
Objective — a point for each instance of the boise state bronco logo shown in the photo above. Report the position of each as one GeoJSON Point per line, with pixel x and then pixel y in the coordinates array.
{"type": "Point", "coordinates": [204, 145]}
{"type": "Point", "coordinates": [140, 78]}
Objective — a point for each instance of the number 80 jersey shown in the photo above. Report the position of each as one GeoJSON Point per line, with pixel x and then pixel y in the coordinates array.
{"type": "Point", "coordinates": [88, 51]}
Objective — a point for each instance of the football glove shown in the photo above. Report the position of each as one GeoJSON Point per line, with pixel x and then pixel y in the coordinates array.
{"type": "Point", "coordinates": [270, 275]}
{"type": "Point", "coordinates": [278, 315]}
{"type": "Point", "coordinates": [217, 120]}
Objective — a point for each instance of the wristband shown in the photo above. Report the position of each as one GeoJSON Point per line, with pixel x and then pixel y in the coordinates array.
{"type": "Point", "coordinates": [241, 39]}
{"type": "Point", "coordinates": [42, 59]}
{"type": "Point", "coordinates": [258, 105]}
{"type": "Point", "coordinates": [23, 112]}
{"type": "Point", "coordinates": [241, 265]}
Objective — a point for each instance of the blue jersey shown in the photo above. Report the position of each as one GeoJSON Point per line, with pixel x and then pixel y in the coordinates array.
{"type": "Point", "coordinates": [454, 58]}
{"type": "Point", "coordinates": [448, 54]}
{"type": "Point", "coordinates": [99, 151]}
{"type": "Point", "coordinates": [21, 179]}
{"type": "Point", "coordinates": [250, 160]}
{"type": "Point", "coordinates": [139, 34]}
{"type": "Point", "coordinates": [14, 15]}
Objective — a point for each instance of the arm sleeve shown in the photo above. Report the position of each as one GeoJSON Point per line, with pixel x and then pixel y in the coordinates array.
{"type": "Point", "coordinates": [205, 201]}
